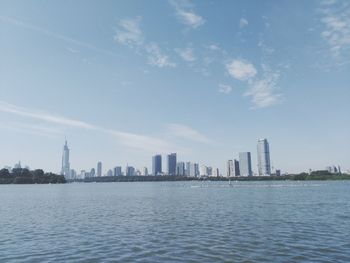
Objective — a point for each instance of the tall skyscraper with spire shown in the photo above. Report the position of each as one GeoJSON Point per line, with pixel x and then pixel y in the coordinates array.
{"type": "Point", "coordinates": [65, 161]}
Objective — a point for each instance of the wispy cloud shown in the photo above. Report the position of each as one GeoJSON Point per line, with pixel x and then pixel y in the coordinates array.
{"type": "Point", "coordinates": [130, 140]}
{"type": "Point", "coordinates": [241, 69]}
{"type": "Point", "coordinates": [243, 22]}
{"type": "Point", "coordinates": [43, 116]}
{"type": "Point", "coordinates": [262, 88]}
{"type": "Point", "coordinates": [226, 89]}
{"type": "Point", "coordinates": [184, 12]}
{"type": "Point", "coordinates": [264, 91]}
{"type": "Point", "coordinates": [185, 132]}
{"type": "Point", "coordinates": [213, 47]}
{"type": "Point", "coordinates": [55, 35]}
{"type": "Point", "coordinates": [156, 57]}
{"type": "Point", "coordinates": [28, 128]}
{"type": "Point", "coordinates": [336, 33]}
{"type": "Point", "coordinates": [186, 54]}
{"type": "Point", "coordinates": [129, 32]}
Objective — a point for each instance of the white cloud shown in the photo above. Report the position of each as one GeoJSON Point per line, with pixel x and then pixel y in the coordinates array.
{"type": "Point", "coordinates": [213, 47]}
{"type": "Point", "coordinates": [243, 22]}
{"type": "Point", "coordinates": [130, 140]}
{"type": "Point", "coordinates": [186, 54]}
{"type": "Point", "coordinates": [129, 32]}
{"type": "Point", "coordinates": [156, 57]}
{"type": "Point", "coordinates": [186, 15]}
{"type": "Point", "coordinates": [185, 132]}
{"type": "Point", "coordinates": [263, 91]}
{"type": "Point", "coordinates": [226, 89]}
{"type": "Point", "coordinates": [241, 69]}
{"type": "Point", "coordinates": [336, 20]}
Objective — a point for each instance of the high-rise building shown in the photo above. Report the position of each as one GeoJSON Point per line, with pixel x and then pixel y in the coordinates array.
{"type": "Point", "coordinates": [92, 172]}
{"type": "Point", "coordinates": [264, 165]}
{"type": "Point", "coordinates": [203, 171]}
{"type": "Point", "coordinates": [109, 173]}
{"type": "Point", "coordinates": [65, 161]}
{"type": "Point", "coordinates": [129, 171]}
{"type": "Point", "coordinates": [99, 169]}
{"type": "Point", "coordinates": [171, 164]}
{"type": "Point", "coordinates": [230, 169]}
{"type": "Point", "coordinates": [216, 172]}
{"type": "Point", "coordinates": [188, 168]}
{"type": "Point", "coordinates": [193, 169]}
{"type": "Point", "coordinates": [245, 164]}
{"type": "Point", "coordinates": [145, 171]}
{"type": "Point", "coordinates": [209, 171]}
{"type": "Point", "coordinates": [117, 171]}
{"type": "Point", "coordinates": [180, 169]}
{"type": "Point", "coordinates": [156, 164]}
{"type": "Point", "coordinates": [236, 169]}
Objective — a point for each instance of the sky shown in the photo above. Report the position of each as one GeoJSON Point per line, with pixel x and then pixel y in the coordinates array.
{"type": "Point", "coordinates": [124, 80]}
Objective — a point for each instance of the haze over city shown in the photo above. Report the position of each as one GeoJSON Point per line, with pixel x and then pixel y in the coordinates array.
{"type": "Point", "coordinates": [124, 81]}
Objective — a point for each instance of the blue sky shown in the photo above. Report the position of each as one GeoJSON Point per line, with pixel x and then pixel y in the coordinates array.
{"type": "Point", "coordinates": [123, 80]}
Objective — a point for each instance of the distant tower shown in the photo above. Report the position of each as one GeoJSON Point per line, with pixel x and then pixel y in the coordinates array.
{"type": "Point", "coordinates": [230, 170]}
{"type": "Point", "coordinates": [65, 161]}
{"type": "Point", "coordinates": [264, 165]}
{"type": "Point", "coordinates": [245, 164]}
{"type": "Point", "coordinates": [99, 169]}
{"type": "Point", "coordinates": [236, 168]}
{"type": "Point", "coordinates": [171, 164]}
{"type": "Point", "coordinates": [156, 164]}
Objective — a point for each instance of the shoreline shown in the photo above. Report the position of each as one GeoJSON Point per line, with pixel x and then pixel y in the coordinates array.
{"type": "Point", "coordinates": [298, 177]}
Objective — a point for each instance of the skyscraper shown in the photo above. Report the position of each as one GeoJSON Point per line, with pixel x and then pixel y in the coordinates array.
{"type": "Point", "coordinates": [245, 164]}
{"type": "Point", "coordinates": [99, 169]}
{"type": "Point", "coordinates": [171, 164]}
{"type": "Point", "coordinates": [230, 170]}
{"type": "Point", "coordinates": [156, 164]}
{"type": "Point", "coordinates": [188, 168]}
{"type": "Point", "coordinates": [264, 166]}
{"type": "Point", "coordinates": [180, 169]}
{"type": "Point", "coordinates": [144, 171]}
{"type": "Point", "coordinates": [65, 161]}
{"type": "Point", "coordinates": [117, 171]}
{"type": "Point", "coordinates": [129, 170]}
{"type": "Point", "coordinates": [236, 168]}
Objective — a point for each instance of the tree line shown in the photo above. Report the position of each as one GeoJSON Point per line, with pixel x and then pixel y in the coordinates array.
{"type": "Point", "coordinates": [25, 176]}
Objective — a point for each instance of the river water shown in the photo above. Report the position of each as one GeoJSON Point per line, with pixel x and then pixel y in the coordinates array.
{"type": "Point", "coordinates": [176, 222]}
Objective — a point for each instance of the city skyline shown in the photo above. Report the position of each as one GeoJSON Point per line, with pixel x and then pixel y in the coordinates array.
{"type": "Point", "coordinates": [129, 84]}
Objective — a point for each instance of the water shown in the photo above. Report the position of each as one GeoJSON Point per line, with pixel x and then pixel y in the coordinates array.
{"type": "Point", "coordinates": [176, 222]}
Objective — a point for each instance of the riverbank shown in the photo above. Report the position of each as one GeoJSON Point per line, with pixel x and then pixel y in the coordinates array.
{"type": "Point", "coordinates": [297, 177]}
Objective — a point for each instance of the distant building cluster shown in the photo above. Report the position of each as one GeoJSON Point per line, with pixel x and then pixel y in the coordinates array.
{"type": "Point", "coordinates": [334, 169]}
{"type": "Point", "coordinates": [236, 167]}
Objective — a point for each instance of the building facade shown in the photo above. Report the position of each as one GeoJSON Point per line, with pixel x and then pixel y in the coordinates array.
{"type": "Point", "coordinates": [171, 164]}
{"type": "Point", "coordinates": [117, 171]}
{"type": "Point", "coordinates": [264, 164]}
{"type": "Point", "coordinates": [156, 164]}
{"type": "Point", "coordinates": [180, 169]}
{"type": "Point", "coordinates": [245, 164]}
{"type": "Point", "coordinates": [99, 169]}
